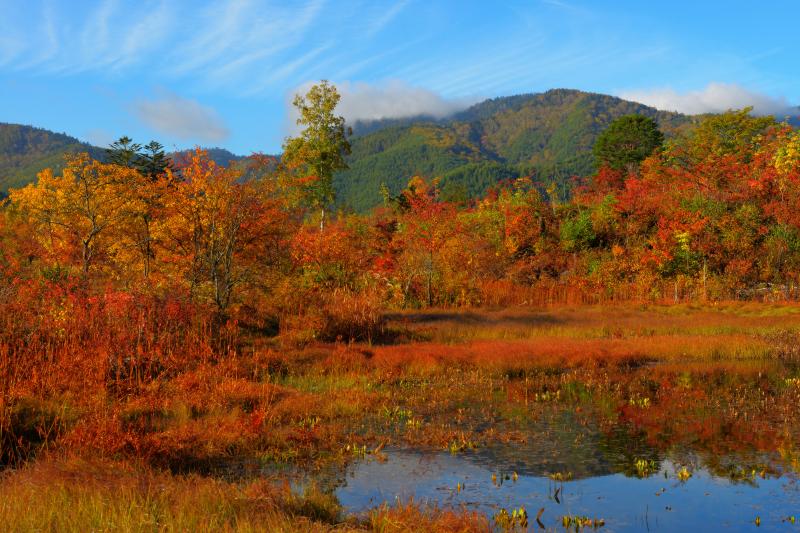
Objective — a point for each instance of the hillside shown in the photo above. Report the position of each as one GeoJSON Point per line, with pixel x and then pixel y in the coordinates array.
{"type": "Point", "coordinates": [25, 151]}
{"type": "Point", "coordinates": [220, 156]}
{"type": "Point", "coordinates": [548, 135]}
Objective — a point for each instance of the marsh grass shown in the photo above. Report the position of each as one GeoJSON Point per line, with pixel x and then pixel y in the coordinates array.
{"type": "Point", "coordinates": [83, 496]}
{"type": "Point", "coordinates": [707, 378]}
{"type": "Point", "coordinates": [618, 321]}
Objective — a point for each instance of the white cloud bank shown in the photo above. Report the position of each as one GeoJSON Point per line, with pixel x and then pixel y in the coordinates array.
{"type": "Point", "coordinates": [181, 118]}
{"type": "Point", "coordinates": [390, 99]}
{"type": "Point", "coordinates": [715, 98]}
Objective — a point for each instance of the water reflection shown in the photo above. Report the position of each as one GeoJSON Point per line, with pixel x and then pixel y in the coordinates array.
{"type": "Point", "coordinates": [661, 448]}
{"type": "Point", "coordinates": [569, 465]}
{"type": "Point", "coordinates": [660, 502]}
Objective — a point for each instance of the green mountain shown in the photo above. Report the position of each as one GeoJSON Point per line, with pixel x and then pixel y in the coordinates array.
{"type": "Point", "coordinates": [25, 151]}
{"type": "Point", "coordinates": [220, 156]}
{"type": "Point", "coordinates": [547, 135]}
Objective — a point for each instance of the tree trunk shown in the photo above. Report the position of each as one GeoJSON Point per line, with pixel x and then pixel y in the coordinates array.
{"type": "Point", "coordinates": [705, 278]}
{"type": "Point", "coordinates": [430, 279]}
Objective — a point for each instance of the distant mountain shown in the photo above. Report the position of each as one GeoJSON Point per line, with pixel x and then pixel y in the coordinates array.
{"type": "Point", "coordinates": [25, 151]}
{"type": "Point", "coordinates": [220, 156]}
{"type": "Point", "coordinates": [548, 135]}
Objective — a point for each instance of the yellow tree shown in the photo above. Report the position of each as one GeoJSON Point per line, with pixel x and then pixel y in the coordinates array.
{"type": "Point", "coordinates": [78, 215]}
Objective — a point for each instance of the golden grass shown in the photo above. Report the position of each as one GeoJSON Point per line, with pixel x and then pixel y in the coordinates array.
{"type": "Point", "coordinates": [455, 326]}
{"type": "Point", "coordinates": [79, 496]}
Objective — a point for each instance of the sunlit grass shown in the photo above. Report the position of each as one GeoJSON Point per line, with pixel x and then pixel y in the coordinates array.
{"type": "Point", "coordinates": [82, 496]}
{"type": "Point", "coordinates": [79, 496]}
{"type": "Point", "coordinates": [598, 322]}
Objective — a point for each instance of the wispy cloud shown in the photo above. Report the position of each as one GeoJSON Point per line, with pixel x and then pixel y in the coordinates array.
{"type": "Point", "coordinates": [109, 36]}
{"type": "Point", "coordinates": [10, 47]}
{"type": "Point", "coordinates": [567, 6]}
{"type": "Point", "coordinates": [714, 98]}
{"type": "Point", "coordinates": [288, 69]}
{"type": "Point", "coordinates": [222, 44]}
{"type": "Point", "coordinates": [49, 38]}
{"type": "Point", "coordinates": [181, 118]}
{"type": "Point", "coordinates": [241, 39]}
{"type": "Point", "coordinates": [385, 18]}
{"type": "Point", "coordinates": [146, 34]}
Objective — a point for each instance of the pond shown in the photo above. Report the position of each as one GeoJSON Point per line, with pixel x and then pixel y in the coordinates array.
{"type": "Point", "coordinates": [496, 478]}
{"type": "Point", "coordinates": [651, 448]}
{"type": "Point", "coordinates": [570, 466]}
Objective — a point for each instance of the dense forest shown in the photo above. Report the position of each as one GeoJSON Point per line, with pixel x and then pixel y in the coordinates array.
{"type": "Point", "coordinates": [25, 151]}
{"type": "Point", "coordinates": [708, 213]}
{"type": "Point", "coordinates": [548, 136]}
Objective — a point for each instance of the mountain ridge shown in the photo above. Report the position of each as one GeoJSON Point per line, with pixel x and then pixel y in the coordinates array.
{"type": "Point", "coordinates": [547, 135]}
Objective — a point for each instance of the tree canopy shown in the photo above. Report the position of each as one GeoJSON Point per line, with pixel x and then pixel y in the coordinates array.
{"type": "Point", "coordinates": [319, 150]}
{"type": "Point", "coordinates": [627, 142]}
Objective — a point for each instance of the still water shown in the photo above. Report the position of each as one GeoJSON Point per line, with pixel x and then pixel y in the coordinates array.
{"type": "Point", "coordinates": [659, 501]}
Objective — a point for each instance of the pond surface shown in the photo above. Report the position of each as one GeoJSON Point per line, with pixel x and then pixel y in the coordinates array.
{"type": "Point", "coordinates": [658, 502]}
{"type": "Point", "coordinates": [642, 448]}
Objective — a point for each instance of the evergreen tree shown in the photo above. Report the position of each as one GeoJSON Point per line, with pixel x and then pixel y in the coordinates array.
{"type": "Point", "coordinates": [124, 152]}
{"type": "Point", "coordinates": [153, 162]}
{"type": "Point", "coordinates": [627, 142]}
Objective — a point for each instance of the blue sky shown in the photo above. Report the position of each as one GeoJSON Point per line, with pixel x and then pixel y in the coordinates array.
{"type": "Point", "coordinates": [221, 73]}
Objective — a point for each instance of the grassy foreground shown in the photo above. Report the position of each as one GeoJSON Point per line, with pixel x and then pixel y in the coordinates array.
{"type": "Point", "coordinates": [713, 379]}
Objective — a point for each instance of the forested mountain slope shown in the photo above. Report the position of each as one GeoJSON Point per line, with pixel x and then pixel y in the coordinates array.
{"type": "Point", "coordinates": [25, 151]}
{"type": "Point", "coordinates": [548, 135]}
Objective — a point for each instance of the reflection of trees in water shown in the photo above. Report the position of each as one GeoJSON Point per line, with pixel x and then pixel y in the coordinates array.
{"type": "Point", "coordinates": [623, 447]}
{"type": "Point", "coordinates": [557, 442]}
{"type": "Point", "coordinates": [560, 442]}
{"type": "Point", "coordinates": [743, 466]}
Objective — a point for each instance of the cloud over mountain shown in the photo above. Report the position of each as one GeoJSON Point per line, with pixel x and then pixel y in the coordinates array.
{"type": "Point", "coordinates": [389, 99]}
{"type": "Point", "coordinates": [714, 98]}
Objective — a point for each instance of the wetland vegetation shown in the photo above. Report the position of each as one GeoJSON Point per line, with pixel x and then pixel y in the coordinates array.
{"type": "Point", "coordinates": [614, 417]}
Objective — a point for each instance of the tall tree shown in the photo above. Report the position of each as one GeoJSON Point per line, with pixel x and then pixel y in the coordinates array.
{"type": "Point", "coordinates": [153, 162]}
{"type": "Point", "coordinates": [219, 232]}
{"type": "Point", "coordinates": [320, 149]}
{"type": "Point", "coordinates": [124, 152]}
{"type": "Point", "coordinates": [627, 142]}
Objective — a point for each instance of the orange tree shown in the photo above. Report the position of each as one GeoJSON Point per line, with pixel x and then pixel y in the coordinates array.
{"type": "Point", "coordinates": [218, 233]}
{"type": "Point", "coordinates": [425, 224]}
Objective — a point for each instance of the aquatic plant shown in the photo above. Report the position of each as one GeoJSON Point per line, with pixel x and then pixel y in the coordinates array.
{"type": "Point", "coordinates": [516, 519]}
{"type": "Point", "coordinates": [581, 522]}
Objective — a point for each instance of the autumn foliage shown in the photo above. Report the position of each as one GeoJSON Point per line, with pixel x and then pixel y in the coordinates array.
{"type": "Point", "coordinates": [112, 280]}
